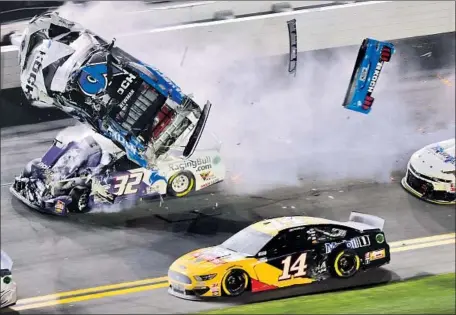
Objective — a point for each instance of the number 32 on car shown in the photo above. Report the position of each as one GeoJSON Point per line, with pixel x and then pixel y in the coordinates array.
{"type": "Point", "coordinates": [127, 184]}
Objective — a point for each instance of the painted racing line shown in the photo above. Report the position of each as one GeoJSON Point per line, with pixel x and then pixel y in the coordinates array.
{"type": "Point", "coordinates": [151, 284]}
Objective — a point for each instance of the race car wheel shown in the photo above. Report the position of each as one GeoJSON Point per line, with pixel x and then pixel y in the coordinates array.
{"type": "Point", "coordinates": [386, 54]}
{"type": "Point", "coordinates": [235, 282]}
{"type": "Point", "coordinates": [80, 200]}
{"type": "Point", "coordinates": [368, 102]}
{"type": "Point", "coordinates": [181, 184]}
{"type": "Point", "coordinates": [346, 264]}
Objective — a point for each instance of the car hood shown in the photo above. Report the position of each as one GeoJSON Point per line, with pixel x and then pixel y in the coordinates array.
{"type": "Point", "coordinates": [436, 160]}
{"type": "Point", "coordinates": [202, 261]}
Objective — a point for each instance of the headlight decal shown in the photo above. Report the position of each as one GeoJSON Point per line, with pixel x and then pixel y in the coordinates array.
{"type": "Point", "coordinates": [205, 277]}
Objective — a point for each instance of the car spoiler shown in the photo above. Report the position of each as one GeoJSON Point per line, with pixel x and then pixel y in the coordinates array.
{"type": "Point", "coordinates": [367, 220]}
{"type": "Point", "coordinates": [196, 135]}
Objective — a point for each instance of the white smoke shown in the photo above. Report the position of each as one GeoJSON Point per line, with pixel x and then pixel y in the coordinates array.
{"type": "Point", "coordinates": [277, 129]}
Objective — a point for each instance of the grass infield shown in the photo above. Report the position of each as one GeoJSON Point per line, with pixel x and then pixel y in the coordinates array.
{"type": "Point", "coordinates": [428, 295]}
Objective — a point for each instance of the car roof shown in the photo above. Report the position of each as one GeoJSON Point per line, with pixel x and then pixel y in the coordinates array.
{"type": "Point", "coordinates": [275, 225]}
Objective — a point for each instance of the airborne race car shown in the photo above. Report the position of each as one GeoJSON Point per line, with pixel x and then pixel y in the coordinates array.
{"type": "Point", "coordinates": [132, 103]}
{"type": "Point", "coordinates": [85, 172]}
{"type": "Point", "coordinates": [431, 173]}
{"type": "Point", "coordinates": [369, 63]}
{"type": "Point", "coordinates": [281, 252]}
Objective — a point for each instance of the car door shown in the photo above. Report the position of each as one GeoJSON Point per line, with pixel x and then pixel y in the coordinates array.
{"type": "Point", "coordinates": [283, 261]}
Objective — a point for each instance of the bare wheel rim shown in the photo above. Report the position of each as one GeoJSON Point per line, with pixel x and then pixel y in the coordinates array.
{"type": "Point", "coordinates": [347, 264]}
{"type": "Point", "coordinates": [82, 202]}
{"type": "Point", "coordinates": [180, 183]}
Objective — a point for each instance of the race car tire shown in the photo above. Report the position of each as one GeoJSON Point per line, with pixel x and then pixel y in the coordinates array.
{"type": "Point", "coordinates": [235, 282]}
{"type": "Point", "coordinates": [80, 200]}
{"type": "Point", "coordinates": [345, 263]}
{"type": "Point", "coordinates": [181, 184]}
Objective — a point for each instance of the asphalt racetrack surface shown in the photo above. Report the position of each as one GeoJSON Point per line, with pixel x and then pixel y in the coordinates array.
{"type": "Point", "coordinates": [65, 254]}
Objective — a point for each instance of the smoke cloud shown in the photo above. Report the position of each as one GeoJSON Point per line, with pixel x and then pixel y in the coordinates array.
{"type": "Point", "coordinates": [279, 130]}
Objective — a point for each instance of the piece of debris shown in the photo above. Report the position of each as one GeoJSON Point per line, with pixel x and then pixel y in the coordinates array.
{"type": "Point", "coordinates": [341, 191]}
{"type": "Point", "coordinates": [315, 192]}
{"type": "Point", "coordinates": [428, 54]}
{"type": "Point", "coordinates": [330, 197]}
{"type": "Point", "coordinates": [293, 207]}
{"type": "Point", "coordinates": [284, 207]}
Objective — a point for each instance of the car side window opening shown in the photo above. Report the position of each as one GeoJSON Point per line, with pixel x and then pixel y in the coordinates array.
{"type": "Point", "coordinates": [287, 242]}
{"type": "Point", "coordinates": [324, 234]}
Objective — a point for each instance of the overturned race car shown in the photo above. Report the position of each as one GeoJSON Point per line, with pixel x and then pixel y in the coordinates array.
{"type": "Point", "coordinates": [130, 102]}
{"type": "Point", "coordinates": [83, 171]}
{"type": "Point", "coordinates": [369, 63]}
{"type": "Point", "coordinates": [431, 173]}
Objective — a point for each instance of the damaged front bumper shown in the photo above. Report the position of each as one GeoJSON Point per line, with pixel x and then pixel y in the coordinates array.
{"type": "Point", "coordinates": [57, 206]}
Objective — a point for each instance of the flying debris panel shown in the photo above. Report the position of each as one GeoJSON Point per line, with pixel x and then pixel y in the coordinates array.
{"type": "Point", "coordinates": [293, 36]}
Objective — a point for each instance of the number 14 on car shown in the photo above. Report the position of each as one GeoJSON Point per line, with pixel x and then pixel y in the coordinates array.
{"type": "Point", "coordinates": [296, 269]}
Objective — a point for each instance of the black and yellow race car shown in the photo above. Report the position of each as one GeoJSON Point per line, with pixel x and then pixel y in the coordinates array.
{"type": "Point", "coordinates": [281, 252]}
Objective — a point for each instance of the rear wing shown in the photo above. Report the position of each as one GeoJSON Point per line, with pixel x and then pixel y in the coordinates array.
{"type": "Point", "coordinates": [196, 135]}
{"type": "Point", "coordinates": [365, 222]}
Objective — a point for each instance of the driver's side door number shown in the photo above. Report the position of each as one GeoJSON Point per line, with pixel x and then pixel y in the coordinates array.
{"type": "Point", "coordinates": [295, 269]}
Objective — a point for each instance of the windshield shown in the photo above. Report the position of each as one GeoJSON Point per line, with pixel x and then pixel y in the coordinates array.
{"type": "Point", "coordinates": [248, 241]}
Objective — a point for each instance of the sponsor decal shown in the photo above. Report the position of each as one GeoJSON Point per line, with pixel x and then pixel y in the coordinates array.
{"type": "Point", "coordinates": [126, 83]}
{"type": "Point", "coordinates": [126, 99]}
{"type": "Point", "coordinates": [212, 182]}
{"type": "Point", "coordinates": [357, 242]}
{"type": "Point", "coordinates": [380, 238]}
{"type": "Point", "coordinates": [211, 256]}
{"type": "Point", "coordinates": [321, 268]}
{"type": "Point", "coordinates": [374, 255]}
{"type": "Point", "coordinates": [199, 164]}
{"type": "Point", "coordinates": [37, 64]}
{"type": "Point", "coordinates": [121, 139]}
{"type": "Point", "coordinates": [207, 175]}
{"type": "Point", "coordinates": [447, 158]}
{"type": "Point", "coordinates": [215, 289]}
{"type": "Point", "coordinates": [375, 76]}
{"type": "Point", "coordinates": [59, 206]}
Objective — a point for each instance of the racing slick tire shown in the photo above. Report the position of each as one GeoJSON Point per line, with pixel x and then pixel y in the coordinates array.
{"type": "Point", "coordinates": [181, 184]}
{"type": "Point", "coordinates": [235, 282]}
{"type": "Point", "coordinates": [345, 263]}
{"type": "Point", "coordinates": [79, 200]}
